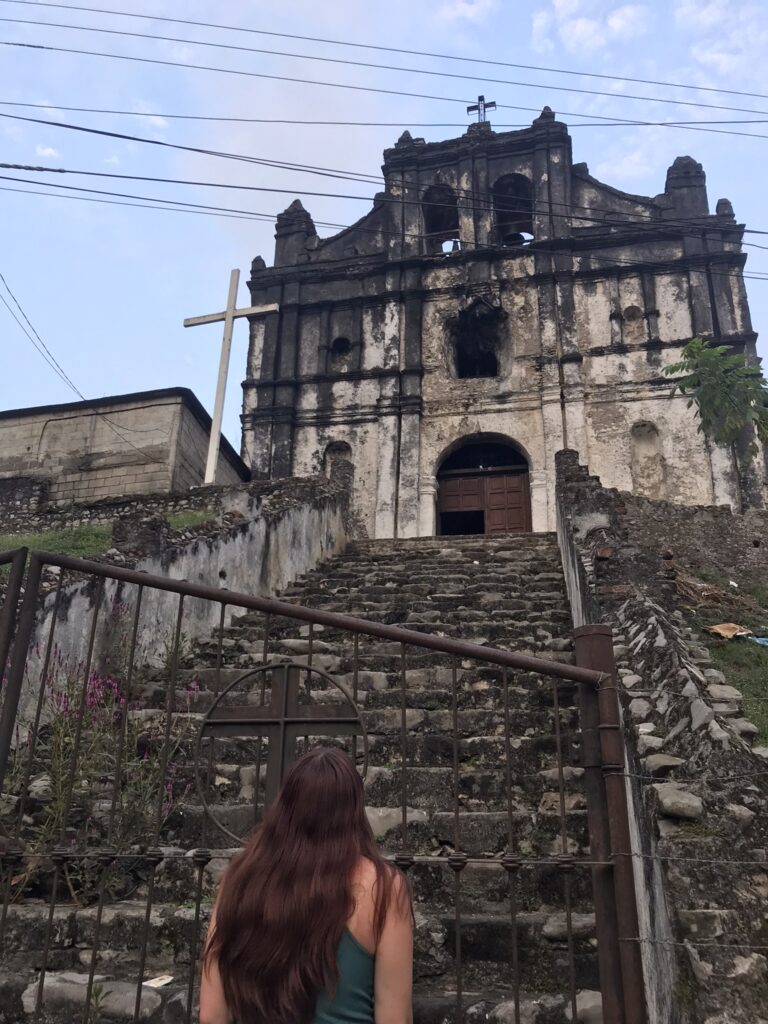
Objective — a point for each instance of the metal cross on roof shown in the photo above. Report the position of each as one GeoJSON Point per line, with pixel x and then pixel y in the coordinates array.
{"type": "Point", "coordinates": [480, 108]}
{"type": "Point", "coordinates": [283, 721]}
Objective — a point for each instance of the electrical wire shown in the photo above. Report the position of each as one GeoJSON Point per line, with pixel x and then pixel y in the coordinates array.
{"type": "Point", "coordinates": [370, 124]}
{"type": "Point", "coordinates": [479, 199]}
{"type": "Point", "coordinates": [36, 340]}
{"type": "Point", "coordinates": [482, 204]}
{"type": "Point", "coordinates": [609, 262]}
{"type": "Point", "coordinates": [47, 354]}
{"type": "Point", "coordinates": [333, 85]}
{"type": "Point", "coordinates": [256, 218]}
{"type": "Point", "coordinates": [264, 51]}
{"type": "Point", "coordinates": [485, 204]}
{"type": "Point", "coordinates": [240, 29]}
{"type": "Point", "coordinates": [369, 179]}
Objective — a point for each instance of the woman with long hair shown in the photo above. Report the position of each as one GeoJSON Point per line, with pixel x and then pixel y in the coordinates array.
{"type": "Point", "coordinates": [311, 924]}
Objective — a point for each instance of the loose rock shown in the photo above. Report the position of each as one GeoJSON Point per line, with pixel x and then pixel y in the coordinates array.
{"type": "Point", "coordinates": [676, 802]}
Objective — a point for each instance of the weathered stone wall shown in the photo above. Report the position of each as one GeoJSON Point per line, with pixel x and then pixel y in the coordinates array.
{"type": "Point", "coordinates": [191, 453]}
{"type": "Point", "coordinates": [21, 499]}
{"type": "Point", "coordinates": [264, 536]}
{"type": "Point", "coordinates": [715, 541]}
{"type": "Point", "coordinates": [133, 444]}
{"type": "Point", "coordinates": [587, 314]}
{"type": "Point", "coordinates": [36, 515]}
{"type": "Point", "coordinates": [700, 791]}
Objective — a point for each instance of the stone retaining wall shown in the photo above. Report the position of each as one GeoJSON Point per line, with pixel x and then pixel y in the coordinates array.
{"type": "Point", "coordinates": [263, 537]}
{"type": "Point", "coordinates": [701, 791]}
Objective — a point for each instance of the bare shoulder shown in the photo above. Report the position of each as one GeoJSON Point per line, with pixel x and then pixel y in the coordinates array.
{"type": "Point", "coordinates": [364, 876]}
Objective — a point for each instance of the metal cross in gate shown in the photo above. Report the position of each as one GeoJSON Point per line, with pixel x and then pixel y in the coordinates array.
{"type": "Point", "coordinates": [480, 108]}
{"type": "Point", "coordinates": [283, 721]}
{"type": "Point", "coordinates": [228, 316]}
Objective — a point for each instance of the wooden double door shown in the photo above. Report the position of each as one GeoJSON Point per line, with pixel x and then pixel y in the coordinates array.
{"type": "Point", "coordinates": [487, 503]}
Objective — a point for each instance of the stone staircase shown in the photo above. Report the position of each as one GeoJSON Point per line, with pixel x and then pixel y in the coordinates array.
{"type": "Point", "coordinates": [506, 592]}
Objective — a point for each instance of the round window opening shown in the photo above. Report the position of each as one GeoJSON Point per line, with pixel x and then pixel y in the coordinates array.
{"type": "Point", "coordinates": [341, 347]}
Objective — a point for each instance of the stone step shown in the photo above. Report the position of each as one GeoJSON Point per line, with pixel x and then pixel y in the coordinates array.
{"type": "Point", "coordinates": [482, 833]}
{"type": "Point", "coordinates": [434, 1001]}
{"type": "Point", "coordinates": [427, 788]}
{"type": "Point", "coordinates": [377, 657]}
{"type": "Point", "coordinates": [530, 711]}
{"type": "Point", "coordinates": [537, 884]}
{"type": "Point", "coordinates": [173, 942]}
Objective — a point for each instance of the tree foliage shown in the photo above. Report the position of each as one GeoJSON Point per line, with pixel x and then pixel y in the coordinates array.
{"type": "Point", "coordinates": [728, 392]}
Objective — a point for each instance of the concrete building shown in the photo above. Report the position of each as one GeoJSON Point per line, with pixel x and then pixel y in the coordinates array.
{"type": "Point", "coordinates": [150, 441]}
{"type": "Point", "coordinates": [496, 305]}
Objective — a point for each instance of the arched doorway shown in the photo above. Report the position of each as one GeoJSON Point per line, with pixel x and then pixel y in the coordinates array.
{"type": "Point", "coordinates": [483, 488]}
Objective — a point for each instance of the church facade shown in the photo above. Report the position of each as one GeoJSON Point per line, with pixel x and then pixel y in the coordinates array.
{"type": "Point", "coordinates": [496, 304]}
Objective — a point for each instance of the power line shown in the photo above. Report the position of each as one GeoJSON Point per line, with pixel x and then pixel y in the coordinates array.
{"type": "Point", "coordinates": [337, 85]}
{"type": "Point", "coordinates": [255, 217]}
{"type": "Point", "coordinates": [38, 343]}
{"type": "Point", "coordinates": [611, 262]}
{"type": "Point", "coordinates": [478, 199]}
{"type": "Point", "coordinates": [391, 49]}
{"type": "Point", "coordinates": [29, 336]}
{"type": "Point", "coordinates": [482, 204]}
{"type": "Point", "coordinates": [371, 124]}
{"type": "Point", "coordinates": [50, 358]}
{"type": "Point", "coordinates": [227, 213]}
{"type": "Point", "coordinates": [281, 164]}
{"type": "Point", "coordinates": [381, 67]}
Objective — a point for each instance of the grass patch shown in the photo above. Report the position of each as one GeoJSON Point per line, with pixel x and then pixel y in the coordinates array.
{"type": "Point", "coordinates": [183, 520]}
{"type": "Point", "coordinates": [745, 665]}
{"type": "Point", "coordinates": [78, 541]}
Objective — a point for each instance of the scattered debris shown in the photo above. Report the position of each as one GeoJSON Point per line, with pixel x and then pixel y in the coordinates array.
{"type": "Point", "coordinates": [159, 981]}
{"type": "Point", "coordinates": [697, 591]}
{"type": "Point", "coordinates": [728, 630]}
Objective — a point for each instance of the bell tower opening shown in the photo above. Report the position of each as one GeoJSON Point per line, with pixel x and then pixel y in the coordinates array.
{"type": "Point", "coordinates": [483, 488]}
{"type": "Point", "coordinates": [513, 206]}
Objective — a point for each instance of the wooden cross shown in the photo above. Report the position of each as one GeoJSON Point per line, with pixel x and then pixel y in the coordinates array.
{"type": "Point", "coordinates": [283, 721]}
{"type": "Point", "coordinates": [229, 315]}
{"type": "Point", "coordinates": [480, 108]}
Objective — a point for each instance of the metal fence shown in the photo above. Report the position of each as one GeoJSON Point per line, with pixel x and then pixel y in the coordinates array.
{"type": "Point", "coordinates": [116, 759]}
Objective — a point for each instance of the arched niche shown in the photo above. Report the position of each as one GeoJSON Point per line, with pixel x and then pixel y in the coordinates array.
{"type": "Point", "coordinates": [513, 209]}
{"type": "Point", "coordinates": [441, 219]}
{"type": "Point", "coordinates": [483, 487]}
{"type": "Point", "coordinates": [337, 463]}
{"type": "Point", "coordinates": [647, 463]}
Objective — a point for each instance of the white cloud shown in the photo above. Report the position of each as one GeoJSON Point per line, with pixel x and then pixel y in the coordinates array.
{"type": "Point", "coordinates": [640, 156]}
{"type": "Point", "coordinates": [114, 160]}
{"type": "Point", "coordinates": [541, 25]}
{"type": "Point", "coordinates": [727, 41]}
{"type": "Point", "coordinates": [565, 8]}
{"type": "Point", "coordinates": [585, 26]}
{"type": "Point", "coordinates": [154, 119]}
{"type": "Point", "coordinates": [585, 34]}
{"type": "Point", "coordinates": [627, 21]}
{"type": "Point", "coordinates": [471, 10]}
{"type": "Point", "coordinates": [46, 151]}
{"type": "Point", "coordinates": [692, 14]}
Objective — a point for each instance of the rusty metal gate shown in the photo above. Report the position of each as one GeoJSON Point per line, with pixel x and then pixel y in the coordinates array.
{"type": "Point", "coordinates": [113, 781]}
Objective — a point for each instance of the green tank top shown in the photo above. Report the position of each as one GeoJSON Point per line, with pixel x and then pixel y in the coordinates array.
{"type": "Point", "coordinates": [353, 1002]}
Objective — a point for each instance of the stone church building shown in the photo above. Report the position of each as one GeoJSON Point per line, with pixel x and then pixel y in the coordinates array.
{"type": "Point", "coordinates": [497, 304]}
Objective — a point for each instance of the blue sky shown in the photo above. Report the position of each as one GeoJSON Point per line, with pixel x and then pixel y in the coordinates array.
{"type": "Point", "coordinates": [107, 287]}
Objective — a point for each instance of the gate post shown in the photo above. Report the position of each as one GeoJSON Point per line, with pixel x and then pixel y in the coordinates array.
{"type": "Point", "coordinates": [603, 746]}
{"type": "Point", "coordinates": [15, 680]}
{"type": "Point", "coordinates": [10, 604]}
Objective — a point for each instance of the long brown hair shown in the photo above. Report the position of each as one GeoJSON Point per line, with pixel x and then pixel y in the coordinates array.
{"type": "Point", "coordinates": [286, 898]}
